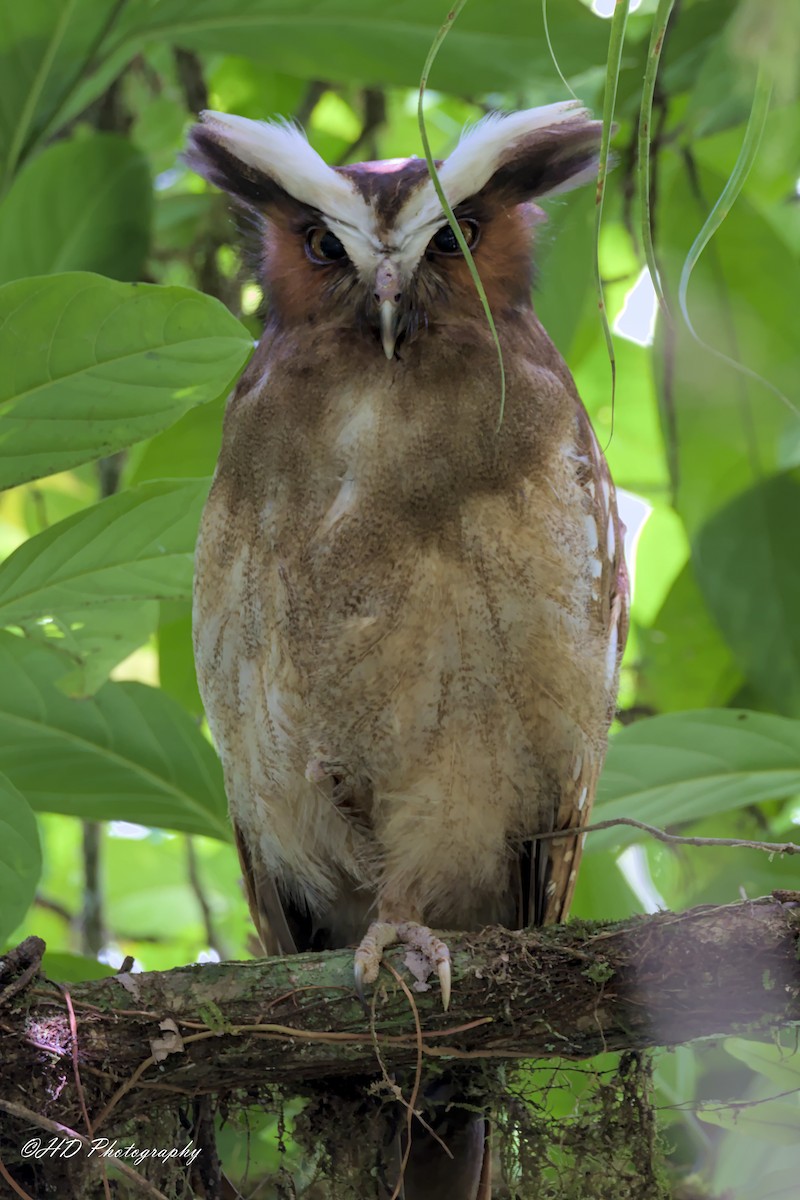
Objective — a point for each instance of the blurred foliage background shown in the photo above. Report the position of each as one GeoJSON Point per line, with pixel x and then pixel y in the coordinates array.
{"type": "Point", "coordinates": [114, 835]}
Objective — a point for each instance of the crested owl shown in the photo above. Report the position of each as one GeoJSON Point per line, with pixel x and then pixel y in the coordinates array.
{"type": "Point", "coordinates": [408, 614]}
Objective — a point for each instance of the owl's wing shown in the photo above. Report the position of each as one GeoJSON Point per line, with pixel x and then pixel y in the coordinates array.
{"type": "Point", "coordinates": [264, 901]}
{"type": "Point", "coordinates": [548, 868]}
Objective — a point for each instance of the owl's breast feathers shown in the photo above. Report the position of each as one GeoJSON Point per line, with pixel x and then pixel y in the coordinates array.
{"type": "Point", "coordinates": [408, 623]}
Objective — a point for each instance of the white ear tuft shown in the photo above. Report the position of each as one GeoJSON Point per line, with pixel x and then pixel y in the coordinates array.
{"type": "Point", "coordinates": [490, 143]}
{"type": "Point", "coordinates": [280, 152]}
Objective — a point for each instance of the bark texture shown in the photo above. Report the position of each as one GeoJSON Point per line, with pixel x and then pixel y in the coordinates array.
{"type": "Point", "coordinates": [151, 1043]}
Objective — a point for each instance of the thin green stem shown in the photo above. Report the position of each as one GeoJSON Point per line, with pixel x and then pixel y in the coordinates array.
{"type": "Point", "coordinates": [448, 212]}
{"type": "Point", "coordinates": [615, 44]}
{"type": "Point", "coordinates": [559, 72]}
{"type": "Point", "coordinates": [657, 34]}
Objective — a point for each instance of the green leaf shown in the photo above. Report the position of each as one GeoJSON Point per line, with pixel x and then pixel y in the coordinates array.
{"type": "Point", "coordinates": [91, 642]}
{"type": "Point", "coordinates": [81, 205]}
{"type": "Point", "coordinates": [685, 662]}
{"type": "Point", "coordinates": [176, 668]}
{"type": "Point", "coordinates": [778, 1063]}
{"type": "Point", "coordinates": [137, 545]}
{"type": "Point", "coordinates": [731, 429]}
{"type": "Point", "coordinates": [46, 48]}
{"type": "Point", "coordinates": [775, 1185]}
{"type": "Point", "coordinates": [73, 968]}
{"type": "Point", "coordinates": [20, 857]}
{"type": "Point", "coordinates": [773, 1121]}
{"type": "Point", "coordinates": [602, 892]}
{"type": "Point", "coordinates": [495, 44]}
{"type": "Point", "coordinates": [684, 766]}
{"type": "Point", "coordinates": [746, 562]}
{"type": "Point", "coordinates": [189, 449]}
{"type": "Point", "coordinates": [92, 366]}
{"type": "Point", "coordinates": [130, 753]}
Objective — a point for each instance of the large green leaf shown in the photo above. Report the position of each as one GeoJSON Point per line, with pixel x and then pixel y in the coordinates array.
{"type": "Point", "coordinates": [684, 766]}
{"type": "Point", "coordinates": [81, 205]}
{"type": "Point", "coordinates": [188, 449]}
{"type": "Point", "coordinates": [684, 660]}
{"type": "Point", "coordinates": [20, 857]}
{"type": "Point", "coordinates": [774, 1121]}
{"type": "Point", "coordinates": [779, 1064]}
{"type": "Point", "coordinates": [45, 48]}
{"type": "Point", "coordinates": [130, 753]}
{"type": "Point", "coordinates": [176, 667]}
{"type": "Point", "coordinates": [747, 564]}
{"type": "Point", "coordinates": [731, 429]}
{"type": "Point", "coordinates": [494, 44]}
{"type": "Point", "coordinates": [92, 641]}
{"type": "Point", "coordinates": [91, 365]}
{"type": "Point", "coordinates": [137, 545]}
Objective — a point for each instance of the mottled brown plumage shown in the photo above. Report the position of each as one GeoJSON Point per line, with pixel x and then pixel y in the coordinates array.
{"type": "Point", "coordinates": [408, 620]}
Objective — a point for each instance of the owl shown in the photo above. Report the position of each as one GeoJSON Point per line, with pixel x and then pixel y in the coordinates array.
{"type": "Point", "coordinates": [409, 607]}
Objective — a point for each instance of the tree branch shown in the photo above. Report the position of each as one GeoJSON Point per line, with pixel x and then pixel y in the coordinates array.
{"type": "Point", "coordinates": [566, 991]}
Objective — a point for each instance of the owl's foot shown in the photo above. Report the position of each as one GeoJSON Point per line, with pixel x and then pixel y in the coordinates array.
{"type": "Point", "coordinates": [417, 937]}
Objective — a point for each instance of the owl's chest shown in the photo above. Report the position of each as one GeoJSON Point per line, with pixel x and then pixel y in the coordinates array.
{"type": "Point", "coordinates": [388, 582]}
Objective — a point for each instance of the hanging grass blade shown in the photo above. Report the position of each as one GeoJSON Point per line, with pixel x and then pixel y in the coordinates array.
{"type": "Point", "coordinates": [559, 72]}
{"type": "Point", "coordinates": [657, 34]}
{"type": "Point", "coordinates": [616, 40]}
{"type": "Point", "coordinates": [465, 250]}
{"type": "Point", "coordinates": [724, 204]}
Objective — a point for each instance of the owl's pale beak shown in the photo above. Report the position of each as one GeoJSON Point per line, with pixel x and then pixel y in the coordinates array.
{"type": "Point", "coordinates": [387, 295]}
{"type": "Point", "coordinates": [389, 314]}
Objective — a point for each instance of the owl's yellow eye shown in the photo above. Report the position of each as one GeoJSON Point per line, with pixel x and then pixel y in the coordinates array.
{"type": "Point", "coordinates": [444, 240]}
{"type": "Point", "coordinates": [322, 246]}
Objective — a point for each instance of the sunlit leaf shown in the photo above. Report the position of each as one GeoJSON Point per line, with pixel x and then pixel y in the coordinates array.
{"type": "Point", "coordinates": [137, 545]}
{"type": "Point", "coordinates": [92, 365]}
{"type": "Point", "coordinates": [90, 642]}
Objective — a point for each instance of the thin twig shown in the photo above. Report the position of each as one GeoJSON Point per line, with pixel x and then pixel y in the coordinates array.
{"type": "Point", "coordinates": [29, 952]}
{"type": "Point", "coordinates": [12, 1183]}
{"type": "Point", "coordinates": [673, 838]}
{"type": "Point", "coordinates": [27, 1114]}
{"type": "Point", "coordinates": [73, 1029]}
{"type": "Point", "coordinates": [412, 1104]}
{"type": "Point", "coordinates": [196, 885]}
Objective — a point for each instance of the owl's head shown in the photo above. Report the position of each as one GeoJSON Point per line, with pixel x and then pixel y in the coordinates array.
{"type": "Point", "coordinates": [367, 247]}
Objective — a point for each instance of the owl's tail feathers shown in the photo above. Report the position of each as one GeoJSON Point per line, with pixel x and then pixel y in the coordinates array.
{"type": "Point", "coordinates": [450, 1155]}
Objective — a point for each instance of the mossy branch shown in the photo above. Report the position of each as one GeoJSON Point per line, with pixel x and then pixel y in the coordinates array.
{"type": "Point", "coordinates": [567, 991]}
